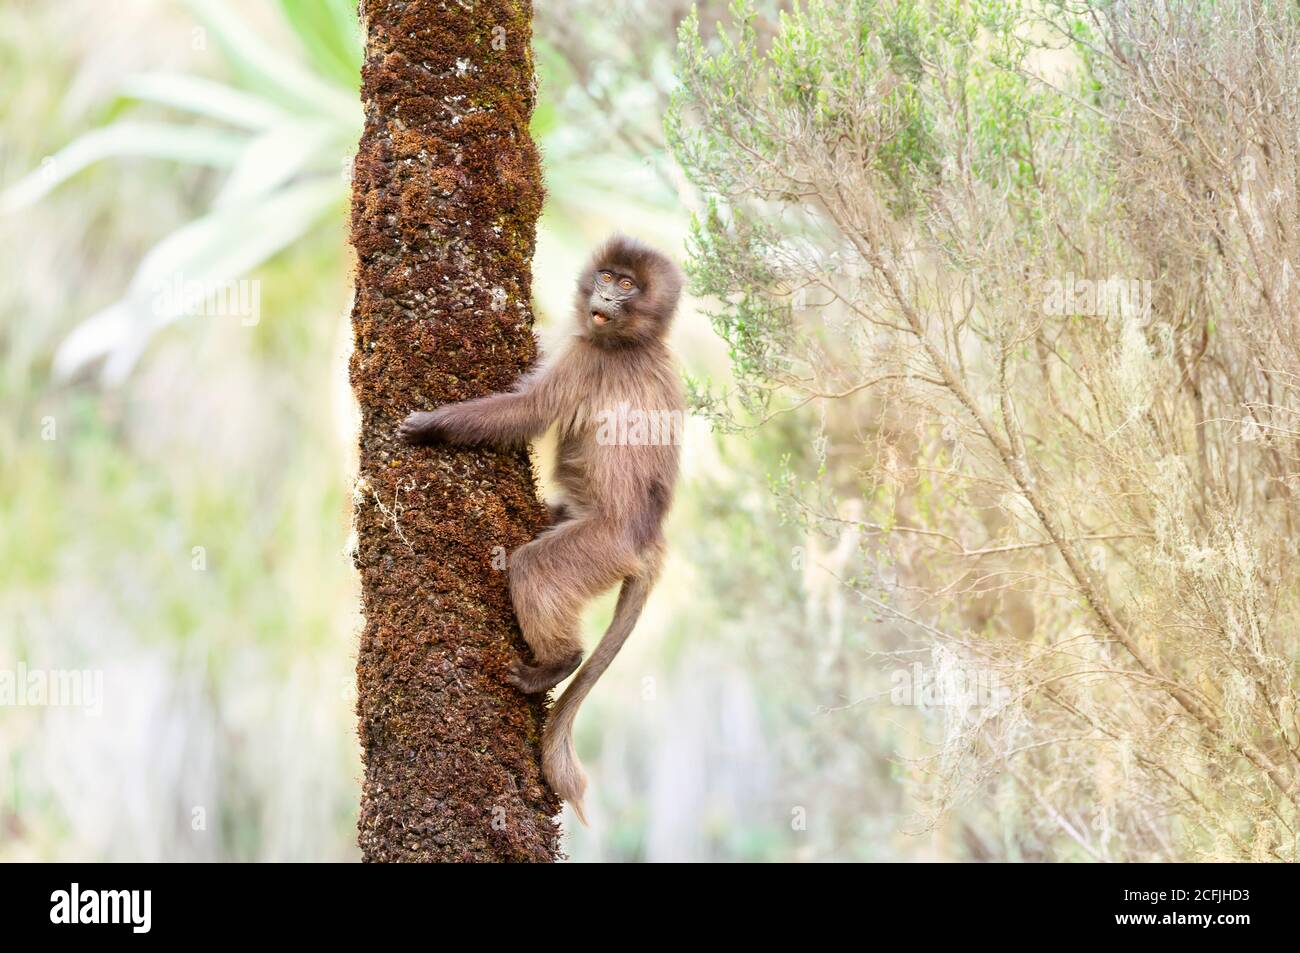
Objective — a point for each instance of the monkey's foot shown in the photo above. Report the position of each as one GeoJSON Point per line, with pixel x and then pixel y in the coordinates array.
{"type": "Point", "coordinates": [531, 679]}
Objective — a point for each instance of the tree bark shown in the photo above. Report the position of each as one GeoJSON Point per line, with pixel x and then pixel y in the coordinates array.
{"type": "Point", "coordinates": [446, 194]}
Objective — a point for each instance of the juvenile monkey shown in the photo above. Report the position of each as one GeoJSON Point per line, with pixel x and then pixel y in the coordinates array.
{"type": "Point", "coordinates": [612, 392]}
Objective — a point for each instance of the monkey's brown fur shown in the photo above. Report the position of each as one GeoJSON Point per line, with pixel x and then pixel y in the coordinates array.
{"type": "Point", "coordinates": [608, 526]}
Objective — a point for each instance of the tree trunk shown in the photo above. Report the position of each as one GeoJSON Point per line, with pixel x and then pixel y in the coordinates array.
{"type": "Point", "coordinates": [446, 194]}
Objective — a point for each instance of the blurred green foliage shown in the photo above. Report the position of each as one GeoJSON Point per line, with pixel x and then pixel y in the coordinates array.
{"type": "Point", "coordinates": [282, 132]}
{"type": "Point", "coordinates": [186, 529]}
{"type": "Point", "coordinates": [180, 521]}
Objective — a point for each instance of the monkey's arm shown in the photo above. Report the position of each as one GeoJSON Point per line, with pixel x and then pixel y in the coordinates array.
{"type": "Point", "coordinates": [509, 418]}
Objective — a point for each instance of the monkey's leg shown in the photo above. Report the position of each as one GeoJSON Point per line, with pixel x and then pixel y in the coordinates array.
{"type": "Point", "coordinates": [551, 579]}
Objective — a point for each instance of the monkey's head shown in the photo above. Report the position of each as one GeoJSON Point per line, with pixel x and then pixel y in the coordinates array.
{"type": "Point", "coordinates": [627, 294]}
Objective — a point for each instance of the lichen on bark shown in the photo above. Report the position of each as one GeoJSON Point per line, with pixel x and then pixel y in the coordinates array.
{"type": "Point", "coordinates": [445, 199]}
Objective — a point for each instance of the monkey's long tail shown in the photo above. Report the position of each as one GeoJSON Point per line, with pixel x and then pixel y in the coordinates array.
{"type": "Point", "coordinates": [559, 759]}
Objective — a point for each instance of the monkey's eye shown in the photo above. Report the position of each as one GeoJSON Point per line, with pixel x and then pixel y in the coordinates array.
{"type": "Point", "coordinates": [625, 284]}
{"type": "Point", "coordinates": [606, 277]}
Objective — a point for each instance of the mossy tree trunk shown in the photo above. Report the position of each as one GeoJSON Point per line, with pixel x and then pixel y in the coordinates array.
{"type": "Point", "coordinates": [446, 194]}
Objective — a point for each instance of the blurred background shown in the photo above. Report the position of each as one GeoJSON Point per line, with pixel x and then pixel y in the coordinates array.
{"type": "Point", "coordinates": [176, 487]}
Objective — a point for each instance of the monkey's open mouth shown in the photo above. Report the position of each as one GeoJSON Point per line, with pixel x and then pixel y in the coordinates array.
{"type": "Point", "coordinates": [599, 318]}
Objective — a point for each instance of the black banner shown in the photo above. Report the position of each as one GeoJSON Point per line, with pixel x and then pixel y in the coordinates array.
{"type": "Point", "coordinates": [136, 903]}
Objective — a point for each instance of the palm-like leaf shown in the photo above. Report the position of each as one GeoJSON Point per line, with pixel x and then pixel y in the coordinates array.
{"type": "Point", "coordinates": [282, 129]}
{"type": "Point", "coordinates": [282, 132]}
{"type": "Point", "coordinates": [208, 253]}
{"type": "Point", "coordinates": [125, 139]}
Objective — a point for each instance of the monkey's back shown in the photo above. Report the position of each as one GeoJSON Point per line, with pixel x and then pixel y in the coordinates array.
{"type": "Point", "coordinates": [618, 454]}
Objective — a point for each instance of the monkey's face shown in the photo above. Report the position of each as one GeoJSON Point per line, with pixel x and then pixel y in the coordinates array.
{"type": "Point", "coordinates": [628, 293]}
{"type": "Point", "coordinates": [611, 296]}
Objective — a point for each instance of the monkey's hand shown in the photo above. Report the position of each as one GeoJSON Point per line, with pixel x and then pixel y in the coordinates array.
{"type": "Point", "coordinates": [497, 420]}
{"type": "Point", "coordinates": [422, 427]}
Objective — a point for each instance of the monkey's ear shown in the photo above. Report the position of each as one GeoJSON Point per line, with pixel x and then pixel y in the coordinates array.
{"type": "Point", "coordinates": [664, 287]}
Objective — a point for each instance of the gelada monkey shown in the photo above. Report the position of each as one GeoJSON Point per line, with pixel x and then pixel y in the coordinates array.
{"type": "Point", "coordinates": [617, 480]}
